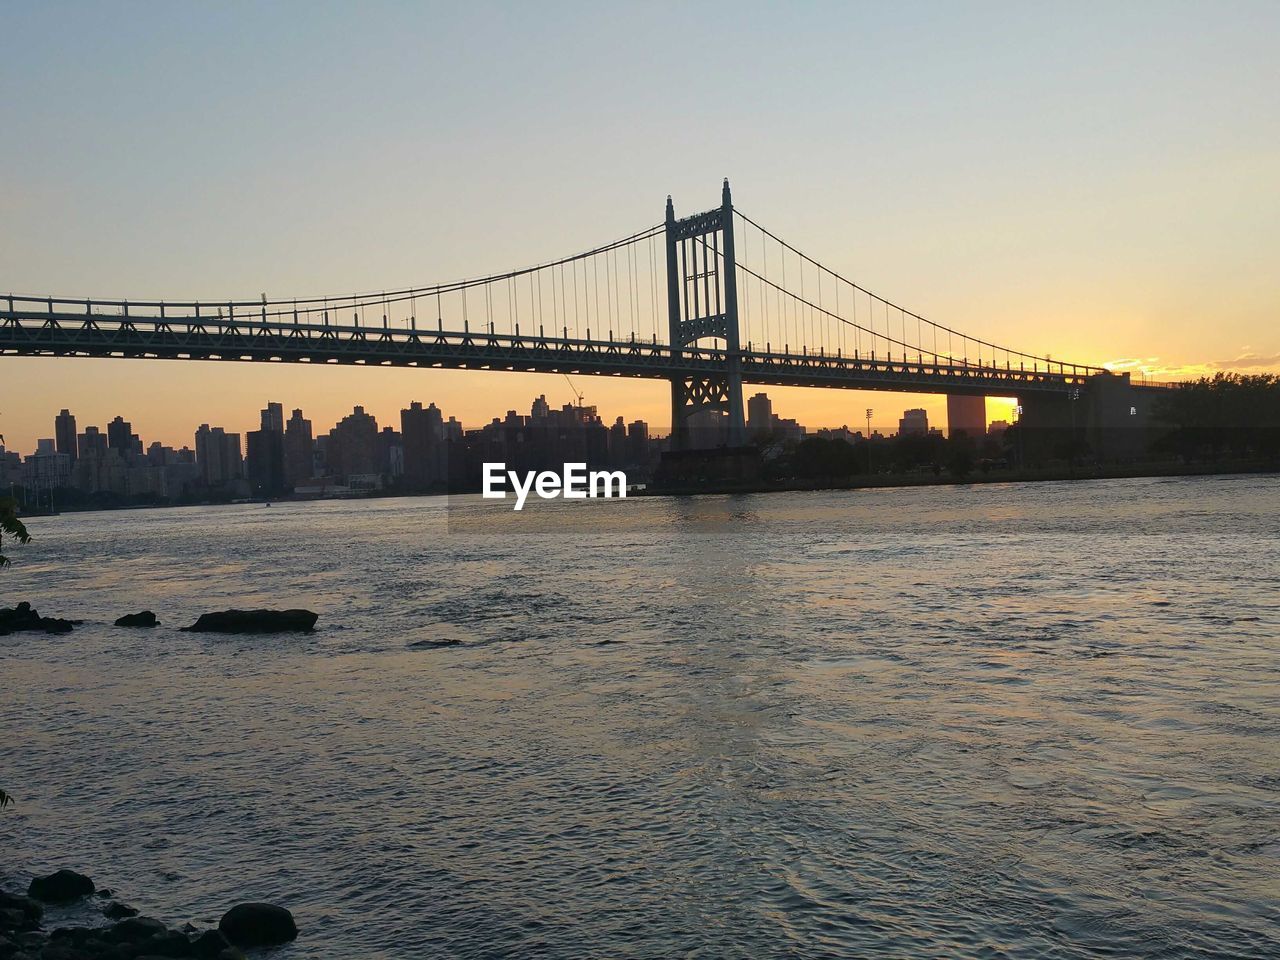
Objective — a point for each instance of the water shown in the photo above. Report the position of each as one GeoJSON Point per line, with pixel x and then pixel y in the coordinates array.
{"type": "Point", "coordinates": [1003, 721]}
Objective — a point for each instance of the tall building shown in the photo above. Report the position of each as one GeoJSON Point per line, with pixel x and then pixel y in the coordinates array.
{"type": "Point", "coordinates": [299, 450]}
{"type": "Point", "coordinates": [273, 417]}
{"type": "Point", "coordinates": [914, 422]}
{"type": "Point", "coordinates": [264, 462]}
{"type": "Point", "coordinates": [422, 435]}
{"type": "Point", "coordinates": [968, 414]}
{"type": "Point", "coordinates": [618, 443]}
{"type": "Point", "coordinates": [759, 414]}
{"type": "Point", "coordinates": [638, 442]}
{"type": "Point", "coordinates": [218, 455]}
{"type": "Point", "coordinates": [64, 429]}
{"type": "Point", "coordinates": [353, 445]}
{"type": "Point", "coordinates": [120, 437]}
{"type": "Point", "coordinates": [91, 443]}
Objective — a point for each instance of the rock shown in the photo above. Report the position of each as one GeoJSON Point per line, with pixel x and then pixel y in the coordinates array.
{"type": "Point", "coordinates": [258, 925]}
{"type": "Point", "coordinates": [171, 943]}
{"type": "Point", "coordinates": [30, 910]}
{"type": "Point", "coordinates": [134, 930]}
{"type": "Point", "coordinates": [23, 617]}
{"type": "Point", "coordinates": [255, 621]}
{"type": "Point", "coordinates": [144, 619]}
{"type": "Point", "coordinates": [11, 919]}
{"type": "Point", "coordinates": [60, 887]}
{"type": "Point", "coordinates": [115, 910]}
{"type": "Point", "coordinates": [209, 945]}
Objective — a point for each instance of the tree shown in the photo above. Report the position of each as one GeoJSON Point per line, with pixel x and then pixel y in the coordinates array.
{"type": "Point", "coordinates": [10, 526]}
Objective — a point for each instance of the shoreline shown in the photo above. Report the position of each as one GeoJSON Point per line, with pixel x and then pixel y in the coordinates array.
{"type": "Point", "coordinates": [1041, 475]}
{"type": "Point", "coordinates": [792, 485]}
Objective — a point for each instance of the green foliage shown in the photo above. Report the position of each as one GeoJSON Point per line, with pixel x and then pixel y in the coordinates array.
{"type": "Point", "coordinates": [1229, 414]}
{"type": "Point", "coordinates": [12, 527]}
{"type": "Point", "coordinates": [962, 455]}
{"type": "Point", "coordinates": [820, 458]}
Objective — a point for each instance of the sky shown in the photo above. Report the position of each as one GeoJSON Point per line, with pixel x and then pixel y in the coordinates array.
{"type": "Point", "coordinates": [1092, 180]}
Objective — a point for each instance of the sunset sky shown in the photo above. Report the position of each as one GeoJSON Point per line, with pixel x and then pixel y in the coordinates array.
{"type": "Point", "coordinates": [1094, 181]}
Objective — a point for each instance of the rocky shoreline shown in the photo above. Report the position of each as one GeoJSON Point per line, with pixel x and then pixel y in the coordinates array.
{"type": "Point", "coordinates": [24, 617]}
{"type": "Point", "coordinates": [123, 935]}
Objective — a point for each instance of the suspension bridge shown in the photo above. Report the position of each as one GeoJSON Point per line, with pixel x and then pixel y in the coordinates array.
{"type": "Point", "coordinates": [708, 302]}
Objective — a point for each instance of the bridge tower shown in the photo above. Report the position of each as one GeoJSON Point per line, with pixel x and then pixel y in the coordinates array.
{"type": "Point", "coordinates": [702, 303]}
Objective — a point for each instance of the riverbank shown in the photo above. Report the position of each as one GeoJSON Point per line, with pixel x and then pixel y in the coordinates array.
{"type": "Point", "coordinates": [92, 925]}
{"type": "Point", "coordinates": [1056, 473]}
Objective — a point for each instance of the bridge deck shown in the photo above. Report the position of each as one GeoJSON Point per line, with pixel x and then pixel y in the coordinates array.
{"type": "Point", "coordinates": [36, 332]}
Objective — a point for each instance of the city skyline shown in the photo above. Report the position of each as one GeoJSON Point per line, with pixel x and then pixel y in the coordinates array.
{"type": "Point", "coordinates": [1010, 227]}
{"type": "Point", "coordinates": [115, 430]}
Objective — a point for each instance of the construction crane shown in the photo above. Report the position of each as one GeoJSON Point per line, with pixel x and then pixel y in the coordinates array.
{"type": "Point", "coordinates": [577, 396]}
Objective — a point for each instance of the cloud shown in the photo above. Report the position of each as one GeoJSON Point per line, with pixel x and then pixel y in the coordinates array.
{"type": "Point", "coordinates": [1151, 369]}
{"type": "Point", "coordinates": [1247, 361]}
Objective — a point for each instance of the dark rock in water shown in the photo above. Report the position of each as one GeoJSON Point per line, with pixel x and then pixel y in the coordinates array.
{"type": "Point", "coordinates": [60, 887]}
{"type": "Point", "coordinates": [255, 621]}
{"type": "Point", "coordinates": [171, 943]}
{"type": "Point", "coordinates": [433, 644]}
{"type": "Point", "coordinates": [23, 617]}
{"type": "Point", "coordinates": [26, 912]}
{"type": "Point", "coordinates": [133, 930]}
{"type": "Point", "coordinates": [209, 945]}
{"type": "Point", "coordinates": [144, 619]}
{"type": "Point", "coordinates": [258, 925]}
{"type": "Point", "coordinates": [115, 910]}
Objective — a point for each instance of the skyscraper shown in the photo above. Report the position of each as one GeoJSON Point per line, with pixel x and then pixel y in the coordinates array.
{"type": "Point", "coordinates": [273, 417]}
{"type": "Point", "coordinates": [64, 429]}
{"type": "Point", "coordinates": [422, 434]}
{"type": "Point", "coordinates": [264, 462]}
{"type": "Point", "coordinates": [120, 437]}
{"type": "Point", "coordinates": [913, 422]}
{"type": "Point", "coordinates": [759, 414]}
{"type": "Point", "coordinates": [968, 414]}
{"type": "Point", "coordinates": [352, 448]}
{"type": "Point", "coordinates": [298, 450]}
{"type": "Point", "coordinates": [218, 455]}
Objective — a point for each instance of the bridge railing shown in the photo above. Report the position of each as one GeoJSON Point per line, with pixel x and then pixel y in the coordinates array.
{"type": "Point", "coordinates": [71, 324]}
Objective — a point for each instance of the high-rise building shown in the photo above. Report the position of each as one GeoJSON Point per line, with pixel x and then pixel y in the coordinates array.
{"type": "Point", "coordinates": [64, 429]}
{"type": "Point", "coordinates": [914, 422]}
{"type": "Point", "coordinates": [759, 414]}
{"type": "Point", "coordinates": [264, 462]}
{"type": "Point", "coordinates": [638, 443]}
{"type": "Point", "coordinates": [120, 437]}
{"type": "Point", "coordinates": [298, 450]}
{"type": "Point", "coordinates": [273, 417]}
{"type": "Point", "coordinates": [422, 434]}
{"type": "Point", "coordinates": [218, 455]}
{"type": "Point", "coordinates": [91, 443]}
{"type": "Point", "coordinates": [618, 443]}
{"type": "Point", "coordinates": [968, 414]}
{"type": "Point", "coordinates": [352, 448]}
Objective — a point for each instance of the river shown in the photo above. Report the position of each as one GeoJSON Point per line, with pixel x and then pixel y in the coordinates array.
{"type": "Point", "coordinates": [1018, 721]}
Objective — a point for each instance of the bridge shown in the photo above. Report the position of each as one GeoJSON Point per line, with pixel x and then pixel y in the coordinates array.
{"type": "Point", "coordinates": [707, 302]}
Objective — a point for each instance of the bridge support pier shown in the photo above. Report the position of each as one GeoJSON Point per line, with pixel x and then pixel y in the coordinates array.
{"type": "Point", "coordinates": [1109, 419]}
{"type": "Point", "coordinates": [702, 303]}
